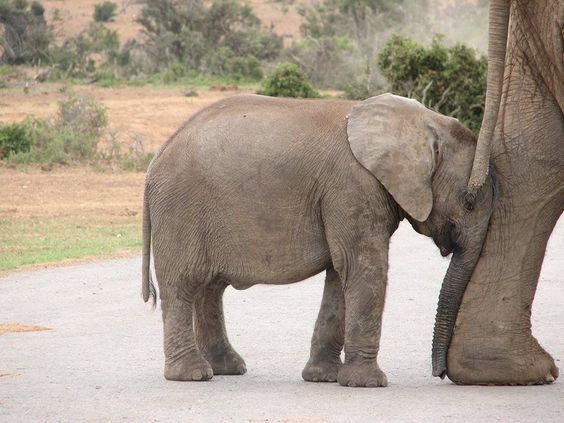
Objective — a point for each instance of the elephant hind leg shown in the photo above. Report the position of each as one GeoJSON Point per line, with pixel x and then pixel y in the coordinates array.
{"type": "Point", "coordinates": [328, 335]}
{"type": "Point", "coordinates": [183, 359]}
{"type": "Point", "coordinates": [211, 335]}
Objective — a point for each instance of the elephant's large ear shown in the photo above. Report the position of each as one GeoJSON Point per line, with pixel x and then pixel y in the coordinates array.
{"type": "Point", "coordinates": [394, 138]}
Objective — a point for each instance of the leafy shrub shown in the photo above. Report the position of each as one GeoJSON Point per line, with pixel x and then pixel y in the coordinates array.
{"type": "Point", "coordinates": [83, 115]}
{"type": "Point", "coordinates": [329, 61]}
{"type": "Point", "coordinates": [224, 61]}
{"type": "Point", "coordinates": [263, 45]}
{"type": "Point", "coordinates": [71, 137]}
{"type": "Point", "coordinates": [104, 12]}
{"type": "Point", "coordinates": [451, 80]}
{"type": "Point", "coordinates": [245, 67]}
{"type": "Point", "coordinates": [340, 37]}
{"type": "Point", "coordinates": [25, 36]}
{"type": "Point", "coordinates": [288, 80]}
{"type": "Point", "coordinates": [363, 88]}
{"type": "Point", "coordinates": [14, 138]}
{"type": "Point", "coordinates": [53, 144]}
{"type": "Point", "coordinates": [37, 9]}
{"type": "Point", "coordinates": [78, 55]}
{"type": "Point", "coordinates": [137, 161]}
{"type": "Point", "coordinates": [205, 36]}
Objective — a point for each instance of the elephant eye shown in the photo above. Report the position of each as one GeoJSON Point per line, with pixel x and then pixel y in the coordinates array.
{"type": "Point", "coordinates": [469, 200]}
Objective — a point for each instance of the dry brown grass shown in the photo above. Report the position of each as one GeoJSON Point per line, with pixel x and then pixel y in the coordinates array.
{"type": "Point", "coordinates": [150, 114]}
{"type": "Point", "coordinates": [72, 213]}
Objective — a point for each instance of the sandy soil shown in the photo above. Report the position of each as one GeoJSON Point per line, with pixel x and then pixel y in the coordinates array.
{"type": "Point", "coordinates": [147, 114]}
{"type": "Point", "coordinates": [69, 192]}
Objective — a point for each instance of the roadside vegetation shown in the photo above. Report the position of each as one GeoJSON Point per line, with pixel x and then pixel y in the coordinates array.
{"type": "Point", "coordinates": [357, 47]}
{"type": "Point", "coordinates": [73, 136]}
{"type": "Point", "coordinates": [37, 240]}
{"type": "Point", "coordinates": [351, 48]}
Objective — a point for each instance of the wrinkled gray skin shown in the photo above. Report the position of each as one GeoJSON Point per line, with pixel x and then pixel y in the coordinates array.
{"type": "Point", "coordinates": [260, 190]}
{"type": "Point", "coordinates": [524, 130]}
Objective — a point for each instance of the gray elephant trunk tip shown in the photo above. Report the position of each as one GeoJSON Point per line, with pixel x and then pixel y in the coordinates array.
{"type": "Point", "coordinates": [440, 369]}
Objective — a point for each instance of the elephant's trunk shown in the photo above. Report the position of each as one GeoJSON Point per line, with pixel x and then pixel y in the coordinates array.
{"type": "Point", "coordinates": [497, 46]}
{"type": "Point", "coordinates": [454, 284]}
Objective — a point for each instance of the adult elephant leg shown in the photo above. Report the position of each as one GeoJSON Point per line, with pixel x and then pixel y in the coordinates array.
{"type": "Point", "coordinates": [183, 360]}
{"type": "Point", "coordinates": [328, 335]}
{"type": "Point", "coordinates": [211, 335]}
{"type": "Point", "coordinates": [493, 343]}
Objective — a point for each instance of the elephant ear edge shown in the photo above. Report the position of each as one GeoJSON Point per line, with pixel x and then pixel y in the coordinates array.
{"type": "Point", "coordinates": [389, 137]}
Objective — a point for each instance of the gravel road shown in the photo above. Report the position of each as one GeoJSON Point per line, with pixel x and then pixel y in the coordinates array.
{"type": "Point", "coordinates": [102, 359]}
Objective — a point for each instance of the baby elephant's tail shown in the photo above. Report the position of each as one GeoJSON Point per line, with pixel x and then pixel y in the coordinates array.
{"type": "Point", "coordinates": [149, 291]}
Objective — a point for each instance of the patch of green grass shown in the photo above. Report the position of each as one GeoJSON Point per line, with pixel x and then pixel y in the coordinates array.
{"type": "Point", "coordinates": [7, 70]}
{"type": "Point", "coordinates": [25, 241]}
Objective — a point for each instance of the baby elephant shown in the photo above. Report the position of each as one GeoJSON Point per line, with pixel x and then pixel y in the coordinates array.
{"type": "Point", "coordinates": [256, 190]}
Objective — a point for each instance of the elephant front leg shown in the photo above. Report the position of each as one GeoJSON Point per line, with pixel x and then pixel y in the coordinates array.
{"type": "Point", "coordinates": [364, 291]}
{"type": "Point", "coordinates": [211, 335]}
{"type": "Point", "coordinates": [327, 340]}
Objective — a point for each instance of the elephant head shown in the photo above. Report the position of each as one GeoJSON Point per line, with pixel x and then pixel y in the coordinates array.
{"type": "Point", "coordinates": [424, 160]}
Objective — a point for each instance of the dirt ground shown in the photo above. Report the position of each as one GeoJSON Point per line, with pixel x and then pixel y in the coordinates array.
{"type": "Point", "coordinates": [66, 192]}
{"type": "Point", "coordinates": [70, 213]}
{"type": "Point", "coordinates": [147, 114]}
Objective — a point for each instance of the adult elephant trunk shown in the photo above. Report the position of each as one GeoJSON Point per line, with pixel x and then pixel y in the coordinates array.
{"type": "Point", "coordinates": [497, 46]}
{"type": "Point", "coordinates": [454, 284]}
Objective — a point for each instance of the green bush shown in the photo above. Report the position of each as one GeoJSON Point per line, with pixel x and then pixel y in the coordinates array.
{"type": "Point", "coordinates": [54, 144]}
{"type": "Point", "coordinates": [205, 37]}
{"type": "Point", "coordinates": [339, 38]}
{"type": "Point", "coordinates": [71, 137]}
{"type": "Point", "coordinates": [83, 115]}
{"type": "Point", "coordinates": [78, 55]}
{"type": "Point", "coordinates": [25, 36]}
{"type": "Point", "coordinates": [362, 88]}
{"type": "Point", "coordinates": [288, 80]}
{"type": "Point", "coordinates": [105, 12]}
{"type": "Point", "coordinates": [248, 67]}
{"type": "Point", "coordinates": [14, 138]}
{"type": "Point", "coordinates": [225, 62]}
{"type": "Point", "coordinates": [450, 80]}
{"type": "Point", "coordinates": [137, 161]}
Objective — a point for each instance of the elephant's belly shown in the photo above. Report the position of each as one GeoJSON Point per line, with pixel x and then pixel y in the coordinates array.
{"type": "Point", "coordinates": [276, 259]}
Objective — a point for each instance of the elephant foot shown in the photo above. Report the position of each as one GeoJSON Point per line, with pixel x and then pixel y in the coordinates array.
{"type": "Point", "coordinates": [364, 374]}
{"type": "Point", "coordinates": [188, 370]}
{"type": "Point", "coordinates": [227, 363]}
{"type": "Point", "coordinates": [495, 362]}
{"type": "Point", "coordinates": [321, 370]}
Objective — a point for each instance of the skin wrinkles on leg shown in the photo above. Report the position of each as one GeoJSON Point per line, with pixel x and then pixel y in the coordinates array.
{"type": "Point", "coordinates": [364, 303]}
{"type": "Point", "coordinates": [211, 335]}
{"type": "Point", "coordinates": [328, 337]}
{"type": "Point", "coordinates": [183, 360]}
{"type": "Point", "coordinates": [358, 237]}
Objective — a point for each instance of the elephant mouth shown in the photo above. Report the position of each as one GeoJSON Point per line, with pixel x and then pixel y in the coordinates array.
{"type": "Point", "coordinates": [444, 240]}
{"type": "Point", "coordinates": [445, 251]}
